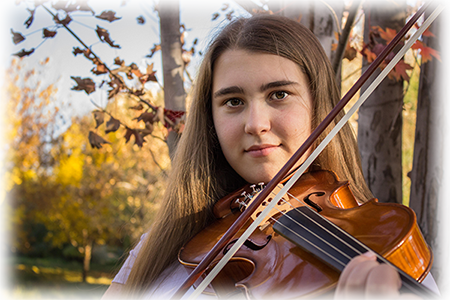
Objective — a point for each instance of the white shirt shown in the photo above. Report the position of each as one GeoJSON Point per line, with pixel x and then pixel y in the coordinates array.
{"type": "Point", "coordinates": [167, 284]}
{"type": "Point", "coordinates": [174, 276]}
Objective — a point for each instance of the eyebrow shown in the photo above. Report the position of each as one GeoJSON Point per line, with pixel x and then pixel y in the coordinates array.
{"type": "Point", "coordinates": [238, 90]}
{"type": "Point", "coordinates": [229, 90]}
{"type": "Point", "coordinates": [275, 84]}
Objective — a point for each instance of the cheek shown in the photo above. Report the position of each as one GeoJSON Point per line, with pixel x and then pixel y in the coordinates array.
{"type": "Point", "coordinates": [223, 130]}
{"type": "Point", "coordinates": [296, 123]}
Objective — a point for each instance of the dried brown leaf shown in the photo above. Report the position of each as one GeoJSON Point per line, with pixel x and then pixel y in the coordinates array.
{"type": "Point", "coordinates": [96, 141]}
{"type": "Point", "coordinates": [229, 15]}
{"type": "Point", "coordinates": [103, 35]}
{"type": "Point", "coordinates": [24, 52]}
{"type": "Point", "coordinates": [100, 67]}
{"type": "Point", "coordinates": [138, 139]}
{"type": "Point", "coordinates": [135, 70]}
{"type": "Point", "coordinates": [48, 33]}
{"type": "Point", "coordinates": [112, 125]}
{"type": "Point", "coordinates": [118, 61]}
{"type": "Point", "coordinates": [17, 37]}
{"type": "Point", "coordinates": [155, 48]}
{"type": "Point", "coordinates": [77, 50]}
{"type": "Point", "coordinates": [84, 84]}
{"type": "Point", "coordinates": [99, 117]}
{"type": "Point", "coordinates": [140, 20]}
{"type": "Point", "coordinates": [64, 21]}
{"type": "Point", "coordinates": [108, 15]}
{"type": "Point", "coordinates": [29, 21]}
{"type": "Point", "coordinates": [116, 85]}
{"type": "Point", "coordinates": [147, 117]}
{"type": "Point", "coordinates": [350, 52]}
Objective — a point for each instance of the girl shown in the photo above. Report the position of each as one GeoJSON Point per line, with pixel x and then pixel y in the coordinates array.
{"type": "Point", "coordinates": [263, 86]}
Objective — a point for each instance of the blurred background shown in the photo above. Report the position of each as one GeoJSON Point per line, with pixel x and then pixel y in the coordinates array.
{"type": "Point", "coordinates": [86, 127]}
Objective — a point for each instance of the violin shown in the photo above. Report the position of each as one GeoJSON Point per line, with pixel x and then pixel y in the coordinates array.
{"type": "Point", "coordinates": [290, 256]}
{"type": "Point", "coordinates": [317, 226]}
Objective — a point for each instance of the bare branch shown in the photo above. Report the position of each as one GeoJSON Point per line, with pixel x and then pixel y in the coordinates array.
{"type": "Point", "coordinates": [156, 163]}
{"type": "Point", "coordinates": [343, 38]}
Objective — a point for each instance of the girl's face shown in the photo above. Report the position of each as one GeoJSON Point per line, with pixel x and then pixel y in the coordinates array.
{"type": "Point", "coordinates": [261, 108]}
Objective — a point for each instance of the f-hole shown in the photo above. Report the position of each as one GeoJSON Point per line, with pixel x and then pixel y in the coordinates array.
{"type": "Point", "coordinates": [312, 203]}
{"type": "Point", "coordinates": [248, 243]}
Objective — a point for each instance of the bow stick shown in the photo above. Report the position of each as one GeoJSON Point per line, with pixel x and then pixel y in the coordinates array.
{"type": "Point", "coordinates": [226, 238]}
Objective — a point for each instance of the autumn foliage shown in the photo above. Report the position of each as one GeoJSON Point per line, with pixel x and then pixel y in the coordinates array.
{"type": "Point", "coordinates": [92, 183]}
{"type": "Point", "coordinates": [27, 115]}
{"type": "Point", "coordinates": [121, 77]}
{"type": "Point", "coordinates": [64, 195]}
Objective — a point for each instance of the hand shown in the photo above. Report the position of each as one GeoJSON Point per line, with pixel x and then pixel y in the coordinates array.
{"type": "Point", "coordinates": [365, 278]}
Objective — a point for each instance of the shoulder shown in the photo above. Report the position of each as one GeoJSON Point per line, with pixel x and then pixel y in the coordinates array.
{"type": "Point", "coordinates": [113, 292]}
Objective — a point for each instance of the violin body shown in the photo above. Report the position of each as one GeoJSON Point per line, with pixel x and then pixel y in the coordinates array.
{"type": "Point", "coordinates": [269, 265]}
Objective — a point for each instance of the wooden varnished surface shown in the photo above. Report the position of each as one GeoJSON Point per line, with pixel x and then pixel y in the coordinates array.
{"type": "Point", "coordinates": [281, 269]}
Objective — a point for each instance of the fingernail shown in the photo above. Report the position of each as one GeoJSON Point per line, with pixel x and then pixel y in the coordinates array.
{"type": "Point", "coordinates": [369, 254]}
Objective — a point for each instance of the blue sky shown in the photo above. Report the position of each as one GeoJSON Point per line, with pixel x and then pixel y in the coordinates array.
{"type": "Point", "coordinates": [135, 41]}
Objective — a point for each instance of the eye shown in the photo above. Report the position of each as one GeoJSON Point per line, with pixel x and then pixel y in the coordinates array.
{"type": "Point", "coordinates": [279, 95]}
{"type": "Point", "coordinates": [233, 102]}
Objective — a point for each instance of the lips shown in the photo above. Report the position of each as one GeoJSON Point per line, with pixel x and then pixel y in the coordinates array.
{"type": "Point", "coordinates": [261, 150]}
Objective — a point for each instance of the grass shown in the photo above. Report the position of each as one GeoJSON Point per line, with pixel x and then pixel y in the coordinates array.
{"type": "Point", "coordinates": [57, 279]}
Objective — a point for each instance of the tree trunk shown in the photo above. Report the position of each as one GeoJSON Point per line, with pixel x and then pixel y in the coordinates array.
{"type": "Point", "coordinates": [87, 248]}
{"type": "Point", "coordinates": [173, 64]}
{"type": "Point", "coordinates": [380, 118]}
{"type": "Point", "coordinates": [426, 175]}
{"type": "Point", "coordinates": [324, 20]}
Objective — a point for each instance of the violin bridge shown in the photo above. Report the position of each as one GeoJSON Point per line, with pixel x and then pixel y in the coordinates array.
{"type": "Point", "coordinates": [281, 207]}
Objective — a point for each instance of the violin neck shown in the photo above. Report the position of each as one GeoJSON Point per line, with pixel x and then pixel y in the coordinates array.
{"type": "Point", "coordinates": [314, 233]}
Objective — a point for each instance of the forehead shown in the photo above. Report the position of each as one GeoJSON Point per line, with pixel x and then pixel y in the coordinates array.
{"type": "Point", "coordinates": [241, 67]}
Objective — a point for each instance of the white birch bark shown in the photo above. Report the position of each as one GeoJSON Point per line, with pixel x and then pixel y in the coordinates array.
{"type": "Point", "coordinates": [380, 117]}
{"type": "Point", "coordinates": [173, 64]}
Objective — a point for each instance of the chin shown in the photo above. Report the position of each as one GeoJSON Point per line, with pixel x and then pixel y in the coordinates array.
{"type": "Point", "coordinates": [258, 179]}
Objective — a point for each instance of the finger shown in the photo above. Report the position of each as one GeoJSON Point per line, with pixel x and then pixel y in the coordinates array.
{"type": "Point", "coordinates": [354, 277]}
{"type": "Point", "coordinates": [368, 256]}
{"type": "Point", "coordinates": [383, 281]}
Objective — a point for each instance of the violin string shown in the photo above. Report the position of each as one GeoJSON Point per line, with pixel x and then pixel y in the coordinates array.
{"type": "Point", "coordinates": [410, 286]}
{"type": "Point", "coordinates": [320, 225]}
{"type": "Point", "coordinates": [310, 231]}
{"type": "Point", "coordinates": [313, 233]}
{"type": "Point", "coordinates": [343, 264]}
{"type": "Point", "coordinates": [306, 240]}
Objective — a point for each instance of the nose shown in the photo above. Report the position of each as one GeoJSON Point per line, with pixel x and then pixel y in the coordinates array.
{"type": "Point", "coordinates": [257, 120]}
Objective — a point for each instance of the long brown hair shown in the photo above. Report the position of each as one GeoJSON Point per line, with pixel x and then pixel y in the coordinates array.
{"type": "Point", "coordinates": [200, 174]}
